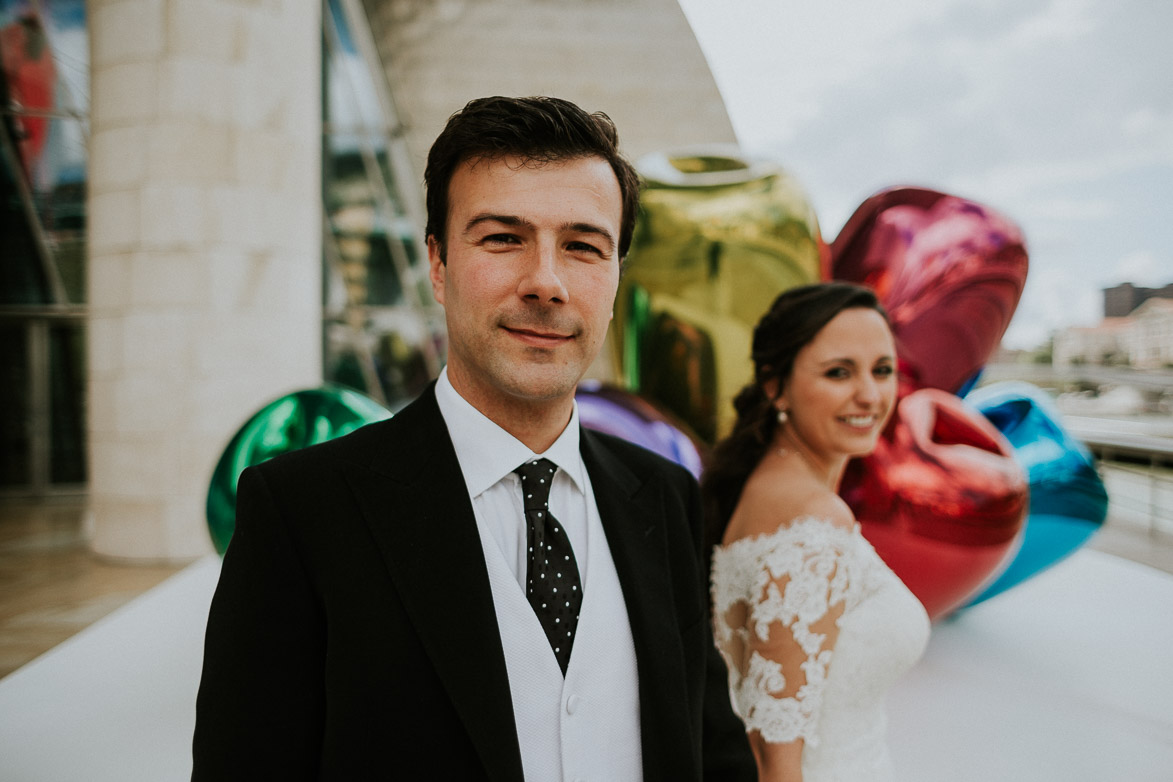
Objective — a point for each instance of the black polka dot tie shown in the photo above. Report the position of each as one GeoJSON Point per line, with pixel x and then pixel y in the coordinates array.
{"type": "Point", "coordinates": [552, 583]}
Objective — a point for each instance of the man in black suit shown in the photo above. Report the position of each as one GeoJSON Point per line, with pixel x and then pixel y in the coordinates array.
{"type": "Point", "coordinates": [390, 604]}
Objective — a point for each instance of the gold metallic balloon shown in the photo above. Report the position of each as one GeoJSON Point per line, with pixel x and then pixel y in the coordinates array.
{"type": "Point", "coordinates": [719, 236]}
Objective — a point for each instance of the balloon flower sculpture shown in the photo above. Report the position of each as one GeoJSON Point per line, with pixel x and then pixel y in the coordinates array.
{"type": "Point", "coordinates": [944, 498]}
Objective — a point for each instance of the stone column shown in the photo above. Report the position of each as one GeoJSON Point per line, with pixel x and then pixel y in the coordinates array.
{"type": "Point", "coordinates": [204, 249]}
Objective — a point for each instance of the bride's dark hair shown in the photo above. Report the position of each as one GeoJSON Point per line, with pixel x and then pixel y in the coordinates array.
{"type": "Point", "coordinates": [791, 323]}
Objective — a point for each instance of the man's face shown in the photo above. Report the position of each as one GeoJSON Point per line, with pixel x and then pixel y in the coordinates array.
{"type": "Point", "coordinates": [531, 274]}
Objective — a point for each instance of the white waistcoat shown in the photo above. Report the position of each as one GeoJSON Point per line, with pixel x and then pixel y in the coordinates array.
{"type": "Point", "coordinates": [586, 726]}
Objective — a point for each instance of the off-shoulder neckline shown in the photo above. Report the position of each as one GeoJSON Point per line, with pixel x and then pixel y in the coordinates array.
{"type": "Point", "coordinates": [782, 529]}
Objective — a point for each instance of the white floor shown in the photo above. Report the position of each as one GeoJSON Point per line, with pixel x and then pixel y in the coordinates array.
{"type": "Point", "coordinates": [1065, 677]}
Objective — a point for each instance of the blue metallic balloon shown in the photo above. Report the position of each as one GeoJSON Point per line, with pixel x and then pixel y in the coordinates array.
{"type": "Point", "coordinates": [615, 411]}
{"type": "Point", "coordinates": [293, 421]}
{"type": "Point", "coordinates": [1068, 502]}
{"type": "Point", "coordinates": [969, 384]}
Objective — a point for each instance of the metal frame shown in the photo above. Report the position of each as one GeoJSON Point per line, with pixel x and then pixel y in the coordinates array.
{"type": "Point", "coordinates": [37, 323]}
{"type": "Point", "coordinates": [387, 193]}
{"type": "Point", "coordinates": [37, 319]}
{"type": "Point", "coordinates": [1149, 458]}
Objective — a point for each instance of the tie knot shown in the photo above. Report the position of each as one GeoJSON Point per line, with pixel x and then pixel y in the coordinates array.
{"type": "Point", "coordinates": [536, 477]}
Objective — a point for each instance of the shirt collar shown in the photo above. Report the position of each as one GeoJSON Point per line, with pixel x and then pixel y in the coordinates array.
{"type": "Point", "coordinates": [487, 453]}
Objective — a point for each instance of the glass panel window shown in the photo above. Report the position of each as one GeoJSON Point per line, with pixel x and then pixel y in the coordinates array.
{"type": "Point", "coordinates": [383, 332]}
{"type": "Point", "coordinates": [59, 196]}
{"type": "Point", "coordinates": [44, 103]}
{"type": "Point", "coordinates": [23, 278]}
{"type": "Point", "coordinates": [15, 405]}
{"type": "Point", "coordinates": [67, 386]}
{"type": "Point", "coordinates": [44, 126]}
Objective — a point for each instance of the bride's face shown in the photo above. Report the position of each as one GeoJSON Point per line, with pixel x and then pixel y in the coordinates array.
{"type": "Point", "coordinates": [843, 385]}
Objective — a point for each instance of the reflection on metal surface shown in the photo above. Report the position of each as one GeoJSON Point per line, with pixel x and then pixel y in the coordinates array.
{"type": "Point", "coordinates": [949, 271]}
{"type": "Point", "coordinates": [720, 235]}
{"type": "Point", "coordinates": [941, 499]}
{"type": "Point", "coordinates": [383, 332]}
{"type": "Point", "coordinates": [1068, 502]}
{"type": "Point", "coordinates": [606, 408]}
{"type": "Point", "coordinates": [293, 421]}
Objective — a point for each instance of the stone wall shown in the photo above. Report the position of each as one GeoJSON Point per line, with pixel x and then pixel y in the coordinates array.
{"type": "Point", "coordinates": [204, 249]}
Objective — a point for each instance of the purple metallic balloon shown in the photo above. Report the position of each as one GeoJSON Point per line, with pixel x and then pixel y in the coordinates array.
{"type": "Point", "coordinates": [949, 271]}
{"type": "Point", "coordinates": [614, 411]}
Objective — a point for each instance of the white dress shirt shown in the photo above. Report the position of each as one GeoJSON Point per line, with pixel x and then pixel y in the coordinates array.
{"type": "Point", "coordinates": [584, 726]}
{"type": "Point", "coordinates": [488, 455]}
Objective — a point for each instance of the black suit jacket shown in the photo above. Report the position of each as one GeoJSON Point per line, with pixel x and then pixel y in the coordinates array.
{"type": "Point", "coordinates": [352, 635]}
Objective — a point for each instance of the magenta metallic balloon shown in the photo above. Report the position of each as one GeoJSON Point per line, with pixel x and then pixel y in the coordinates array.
{"type": "Point", "coordinates": [949, 271]}
{"type": "Point", "coordinates": [612, 410]}
{"type": "Point", "coordinates": [941, 499]}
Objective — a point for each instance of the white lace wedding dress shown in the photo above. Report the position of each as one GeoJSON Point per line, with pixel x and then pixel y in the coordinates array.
{"type": "Point", "coordinates": [772, 590]}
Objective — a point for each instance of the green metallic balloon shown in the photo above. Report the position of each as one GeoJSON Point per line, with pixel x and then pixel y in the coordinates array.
{"type": "Point", "coordinates": [293, 421]}
{"type": "Point", "coordinates": [719, 236]}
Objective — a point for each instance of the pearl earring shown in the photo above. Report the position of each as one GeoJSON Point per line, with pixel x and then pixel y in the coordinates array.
{"type": "Point", "coordinates": [782, 417]}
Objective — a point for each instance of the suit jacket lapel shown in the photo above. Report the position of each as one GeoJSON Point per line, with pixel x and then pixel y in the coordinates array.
{"type": "Point", "coordinates": [415, 501]}
{"type": "Point", "coordinates": [632, 513]}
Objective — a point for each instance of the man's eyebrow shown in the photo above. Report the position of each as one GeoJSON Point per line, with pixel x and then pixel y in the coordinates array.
{"type": "Point", "coordinates": [511, 220]}
{"type": "Point", "coordinates": [520, 222]}
{"type": "Point", "coordinates": [590, 228]}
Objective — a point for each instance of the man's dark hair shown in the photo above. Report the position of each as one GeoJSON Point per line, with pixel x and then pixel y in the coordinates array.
{"type": "Point", "coordinates": [538, 130]}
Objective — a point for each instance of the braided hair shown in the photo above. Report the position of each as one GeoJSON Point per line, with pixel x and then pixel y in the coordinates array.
{"type": "Point", "coordinates": [792, 322]}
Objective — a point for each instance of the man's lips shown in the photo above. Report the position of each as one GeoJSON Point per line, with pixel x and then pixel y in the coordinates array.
{"type": "Point", "coordinates": [539, 337]}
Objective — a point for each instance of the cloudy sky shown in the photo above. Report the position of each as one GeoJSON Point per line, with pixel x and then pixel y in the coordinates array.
{"type": "Point", "coordinates": [1058, 113]}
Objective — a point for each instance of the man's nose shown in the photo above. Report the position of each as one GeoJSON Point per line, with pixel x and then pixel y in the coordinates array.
{"type": "Point", "coordinates": [542, 275]}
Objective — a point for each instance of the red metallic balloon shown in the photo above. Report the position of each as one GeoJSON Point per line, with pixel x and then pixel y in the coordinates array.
{"type": "Point", "coordinates": [941, 499]}
{"type": "Point", "coordinates": [949, 271]}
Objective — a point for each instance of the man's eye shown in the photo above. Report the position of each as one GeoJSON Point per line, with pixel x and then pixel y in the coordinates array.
{"type": "Point", "coordinates": [583, 247]}
{"type": "Point", "coordinates": [500, 239]}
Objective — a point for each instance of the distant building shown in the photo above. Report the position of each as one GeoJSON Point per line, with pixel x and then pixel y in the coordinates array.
{"type": "Point", "coordinates": [1103, 344]}
{"type": "Point", "coordinates": [1143, 339]}
{"type": "Point", "coordinates": [1150, 343]}
{"type": "Point", "coordinates": [1121, 300]}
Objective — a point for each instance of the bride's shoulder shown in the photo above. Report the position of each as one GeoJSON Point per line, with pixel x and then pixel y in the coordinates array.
{"type": "Point", "coordinates": [767, 507]}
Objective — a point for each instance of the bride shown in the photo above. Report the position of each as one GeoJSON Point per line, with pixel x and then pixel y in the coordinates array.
{"type": "Point", "coordinates": [813, 626]}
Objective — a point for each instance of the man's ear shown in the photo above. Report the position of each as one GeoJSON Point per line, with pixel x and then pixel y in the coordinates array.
{"type": "Point", "coordinates": [437, 269]}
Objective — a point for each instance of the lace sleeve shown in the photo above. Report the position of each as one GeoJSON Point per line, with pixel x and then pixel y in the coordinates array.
{"type": "Point", "coordinates": [777, 600]}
